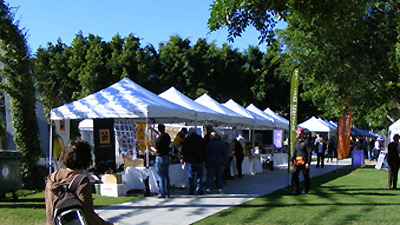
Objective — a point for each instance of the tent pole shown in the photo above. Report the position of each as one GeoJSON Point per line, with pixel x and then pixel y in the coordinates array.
{"type": "Point", "coordinates": [146, 186]}
{"type": "Point", "coordinates": [147, 144]}
{"type": "Point", "coordinates": [51, 147]}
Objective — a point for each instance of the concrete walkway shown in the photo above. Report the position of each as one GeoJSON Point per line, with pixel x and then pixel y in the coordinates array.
{"type": "Point", "coordinates": [186, 209]}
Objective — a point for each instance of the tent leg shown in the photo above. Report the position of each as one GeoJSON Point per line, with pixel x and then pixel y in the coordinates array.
{"type": "Point", "coordinates": [146, 187]}
{"type": "Point", "coordinates": [51, 147]}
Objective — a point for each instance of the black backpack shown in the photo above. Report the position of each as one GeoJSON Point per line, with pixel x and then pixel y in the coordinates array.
{"type": "Point", "coordinates": [68, 208]}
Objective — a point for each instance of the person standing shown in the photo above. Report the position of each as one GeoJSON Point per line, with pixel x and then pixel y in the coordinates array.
{"type": "Point", "coordinates": [370, 148]}
{"type": "Point", "coordinates": [300, 161]}
{"type": "Point", "coordinates": [215, 162]}
{"type": "Point", "coordinates": [194, 154]}
{"type": "Point", "coordinates": [76, 157]}
{"type": "Point", "coordinates": [393, 161]}
{"type": "Point", "coordinates": [227, 172]}
{"type": "Point", "coordinates": [377, 148]}
{"type": "Point", "coordinates": [207, 136]}
{"type": "Point", "coordinates": [163, 161]}
{"type": "Point", "coordinates": [320, 149]}
{"type": "Point", "coordinates": [330, 150]}
{"type": "Point", "coordinates": [239, 155]}
{"type": "Point", "coordinates": [178, 143]}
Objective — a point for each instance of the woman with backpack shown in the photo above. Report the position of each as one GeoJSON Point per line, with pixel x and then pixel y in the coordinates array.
{"type": "Point", "coordinates": [76, 157]}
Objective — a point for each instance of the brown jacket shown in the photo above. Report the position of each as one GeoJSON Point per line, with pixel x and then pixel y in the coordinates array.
{"type": "Point", "coordinates": [84, 193]}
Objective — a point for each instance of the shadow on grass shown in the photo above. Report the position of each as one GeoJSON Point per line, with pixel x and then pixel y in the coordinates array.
{"type": "Point", "coordinates": [320, 196]}
{"type": "Point", "coordinates": [38, 203]}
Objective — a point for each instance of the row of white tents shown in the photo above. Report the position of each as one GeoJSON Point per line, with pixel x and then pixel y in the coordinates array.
{"type": "Point", "coordinates": [318, 125]}
{"type": "Point", "coordinates": [126, 99]}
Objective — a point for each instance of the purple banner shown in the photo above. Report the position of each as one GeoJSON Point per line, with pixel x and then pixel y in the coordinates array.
{"type": "Point", "coordinates": [278, 138]}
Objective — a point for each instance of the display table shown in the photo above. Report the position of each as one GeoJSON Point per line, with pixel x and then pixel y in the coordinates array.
{"type": "Point", "coordinates": [280, 159]}
{"type": "Point", "coordinates": [249, 167]}
{"type": "Point", "coordinates": [133, 177]}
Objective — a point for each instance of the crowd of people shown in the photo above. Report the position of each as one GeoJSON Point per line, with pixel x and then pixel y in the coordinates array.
{"type": "Point", "coordinates": [371, 146]}
{"type": "Point", "coordinates": [212, 153]}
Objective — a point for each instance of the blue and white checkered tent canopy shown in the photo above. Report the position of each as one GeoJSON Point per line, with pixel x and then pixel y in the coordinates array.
{"type": "Point", "coordinates": [204, 115]}
{"type": "Point", "coordinates": [124, 99]}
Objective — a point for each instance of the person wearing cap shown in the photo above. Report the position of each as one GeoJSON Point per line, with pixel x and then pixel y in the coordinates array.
{"type": "Point", "coordinates": [193, 155]}
{"type": "Point", "coordinates": [393, 161]}
{"type": "Point", "coordinates": [215, 162]}
{"type": "Point", "coordinates": [300, 161]}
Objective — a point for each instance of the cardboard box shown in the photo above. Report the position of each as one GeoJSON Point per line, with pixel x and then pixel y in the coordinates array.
{"type": "Point", "coordinates": [115, 178]}
{"type": "Point", "coordinates": [112, 190]}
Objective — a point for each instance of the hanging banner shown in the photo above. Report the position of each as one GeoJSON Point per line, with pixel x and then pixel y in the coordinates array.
{"type": "Point", "coordinates": [294, 86]}
{"type": "Point", "coordinates": [140, 134]}
{"type": "Point", "coordinates": [344, 128]}
{"type": "Point", "coordinates": [278, 138]}
{"type": "Point", "coordinates": [126, 137]}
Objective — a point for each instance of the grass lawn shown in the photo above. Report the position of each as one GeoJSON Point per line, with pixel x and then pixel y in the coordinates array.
{"type": "Point", "coordinates": [345, 197]}
{"type": "Point", "coordinates": [30, 208]}
{"type": "Point", "coordinates": [349, 196]}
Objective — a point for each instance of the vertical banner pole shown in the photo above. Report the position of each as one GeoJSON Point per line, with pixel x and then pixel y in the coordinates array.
{"type": "Point", "coordinates": [294, 86]}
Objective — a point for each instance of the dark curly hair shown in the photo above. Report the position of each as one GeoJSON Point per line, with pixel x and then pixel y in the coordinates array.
{"type": "Point", "coordinates": [77, 154]}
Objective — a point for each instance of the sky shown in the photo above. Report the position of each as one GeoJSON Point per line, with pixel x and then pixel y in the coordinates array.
{"type": "Point", "coordinates": [153, 21]}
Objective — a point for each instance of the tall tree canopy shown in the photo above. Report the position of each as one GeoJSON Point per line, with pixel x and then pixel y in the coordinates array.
{"type": "Point", "coordinates": [65, 73]}
{"type": "Point", "coordinates": [347, 50]}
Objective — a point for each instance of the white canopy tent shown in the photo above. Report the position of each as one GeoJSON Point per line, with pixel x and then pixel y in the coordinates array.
{"type": "Point", "coordinates": [277, 123]}
{"type": "Point", "coordinates": [315, 125]}
{"type": "Point", "coordinates": [236, 118]}
{"type": "Point", "coordinates": [394, 129]}
{"type": "Point", "coordinates": [203, 113]}
{"type": "Point", "coordinates": [124, 99]}
{"type": "Point", "coordinates": [277, 117]}
{"type": "Point", "coordinates": [331, 126]}
{"type": "Point", "coordinates": [260, 122]}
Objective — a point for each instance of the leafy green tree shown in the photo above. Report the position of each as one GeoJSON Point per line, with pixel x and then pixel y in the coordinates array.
{"type": "Point", "coordinates": [19, 85]}
{"type": "Point", "coordinates": [175, 56]}
{"type": "Point", "coordinates": [51, 75]}
{"type": "Point", "coordinates": [345, 49]}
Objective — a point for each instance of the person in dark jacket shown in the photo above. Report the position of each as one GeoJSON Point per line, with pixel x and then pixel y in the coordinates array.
{"type": "Point", "coordinates": [239, 156]}
{"type": "Point", "coordinates": [163, 161]}
{"type": "Point", "coordinates": [393, 161]}
{"type": "Point", "coordinates": [215, 162]}
{"type": "Point", "coordinates": [194, 154]}
{"type": "Point", "coordinates": [300, 161]}
{"type": "Point", "coordinates": [76, 157]}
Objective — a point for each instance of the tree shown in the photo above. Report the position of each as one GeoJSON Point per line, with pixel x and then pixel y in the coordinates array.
{"type": "Point", "coordinates": [20, 87]}
{"type": "Point", "coordinates": [345, 49]}
{"type": "Point", "coordinates": [51, 75]}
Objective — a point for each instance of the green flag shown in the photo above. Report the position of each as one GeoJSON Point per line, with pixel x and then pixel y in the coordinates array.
{"type": "Point", "coordinates": [294, 86]}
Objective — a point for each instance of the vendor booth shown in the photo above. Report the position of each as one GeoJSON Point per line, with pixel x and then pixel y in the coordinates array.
{"type": "Point", "coordinates": [126, 106]}
{"type": "Point", "coordinates": [118, 116]}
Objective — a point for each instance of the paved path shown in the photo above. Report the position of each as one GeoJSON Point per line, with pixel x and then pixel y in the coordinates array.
{"type": "Point", "coordinates": [186, 209]}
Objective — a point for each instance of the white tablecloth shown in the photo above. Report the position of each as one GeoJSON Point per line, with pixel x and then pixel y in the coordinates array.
{"type": "Point", "coordinates": [133, 177]}
{"type": "Point", "coordinates": [280, 159]}
{"type": "Point", "coordinates": [248, 168]}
